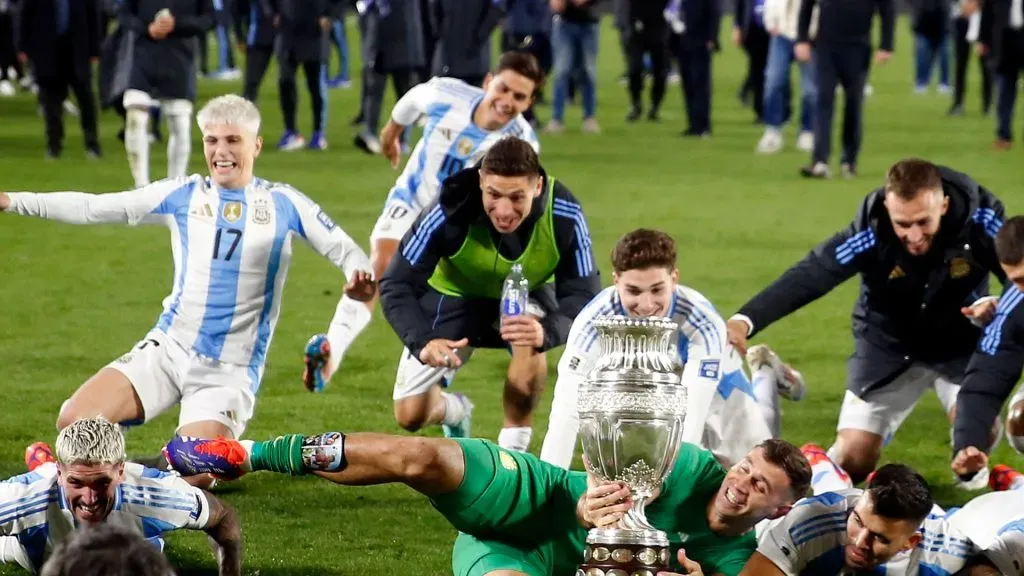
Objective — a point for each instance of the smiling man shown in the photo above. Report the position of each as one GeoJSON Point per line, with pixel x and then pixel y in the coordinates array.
{"type": "Point", "coordinates": [441, 292]}
{"type": "Point", "coordinates": [722, 412]}
{"type": "Point", "coordinates": [90, 483]}
{"type": "Point", "coordinates": [231, 242]}
{"type": "Point", "coordinates": [924, 246]}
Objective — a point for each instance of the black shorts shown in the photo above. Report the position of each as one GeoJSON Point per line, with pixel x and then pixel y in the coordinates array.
{"type": "Point", "coordinates": [872, 367]}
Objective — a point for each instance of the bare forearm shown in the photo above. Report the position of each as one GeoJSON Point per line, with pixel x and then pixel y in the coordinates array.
{"type": "Point", "coordinates": [391, 131]}
{"type": "Point", "coordinates": [5, 201]}
{"type": "Point", "coordinates": [225, 532]}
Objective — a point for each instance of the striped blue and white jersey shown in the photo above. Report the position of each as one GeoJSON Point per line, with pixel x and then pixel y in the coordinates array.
{"type": "Point", "coordinates": [994, 523]}
{"type": "Point", "coordinates": [700, 341]}
{"type": "Point", "coordinates": [450, 141]}
{"type": "Point", "coordinates": [811, 539]}
{"type": "Point", "coordinates": [36, 517]}
{"type": "Point", "coordinates": [231, 251]}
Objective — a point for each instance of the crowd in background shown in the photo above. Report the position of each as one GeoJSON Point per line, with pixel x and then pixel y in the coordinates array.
{"type": "Point", "coordinates": [48, 47]}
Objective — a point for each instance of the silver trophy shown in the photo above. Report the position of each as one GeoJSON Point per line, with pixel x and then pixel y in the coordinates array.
{"type": "Point", "coordinates": [632, 408]}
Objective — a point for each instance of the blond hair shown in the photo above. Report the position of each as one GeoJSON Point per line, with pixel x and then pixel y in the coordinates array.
{"type": "Point", "coordinates": [232, 110]}
{"type": "Point", "coordinates": [90, 441]}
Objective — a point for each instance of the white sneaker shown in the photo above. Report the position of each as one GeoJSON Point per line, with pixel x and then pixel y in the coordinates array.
{"type": "Point", "coordinates": [554, 127]}
{"type": "Point", "coordinates": [805, 141]}
{"type": "Point", "coordinates": [6, 88]}
{"type": "Point", "coordinates": [771, 142]}
{"type": "Point", "coordinates": [789, 381]}
{"type": "Point", "coordinates": [590, 126]}
{"type": "Point", "coordinates": [70, 108]}
{"type": "Point", "coordinates": [868, 90]}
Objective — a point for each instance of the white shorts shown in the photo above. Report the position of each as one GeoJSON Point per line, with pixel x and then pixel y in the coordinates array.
{"type": "Point", "coordinates": [415, 378]}
{"type": "Point", "coordinates": [165, 373]}
{"type": "Point", "coordinates": [734, 426]}
{"type": "Point", "coordinates": [138, 99]}
{"type": "Point", "coordinates": [882, 411]}
{"type": "Point", "coordinates": [396, 219]}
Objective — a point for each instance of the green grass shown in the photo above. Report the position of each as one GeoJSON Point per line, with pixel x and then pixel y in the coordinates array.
{"type": "Point", "coordinates": [73, 298]}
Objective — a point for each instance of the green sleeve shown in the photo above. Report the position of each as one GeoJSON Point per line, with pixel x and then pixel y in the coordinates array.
{"type": "Point", "coordinates": [728, 559]}
{"type": "Point", "coordinates": [701, 466]}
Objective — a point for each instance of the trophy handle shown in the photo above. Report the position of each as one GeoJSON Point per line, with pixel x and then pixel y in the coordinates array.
{"type": "Point", "coordinates": [636, 517]}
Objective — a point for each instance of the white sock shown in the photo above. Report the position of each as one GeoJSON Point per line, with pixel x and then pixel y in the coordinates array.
{"type": "Point", "coordinates": [179, 144]}
{"type": "Point", "coordinates": [136, 144]}
{"type": "Point", "coordinates": [454, 409]}
{"type": "Point", "coordinates": [766, 392]}
{"type": "Point", "coordinates": [350, 319]}
{"type": "Point", "coordinates": [1017, 483]}
{"type": "Point", "coordinates": [247, 444]}
{"type": "Point", "coordinates": [516, 439]}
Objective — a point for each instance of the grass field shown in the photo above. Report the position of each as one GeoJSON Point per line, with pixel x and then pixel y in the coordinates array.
{"type": "Point", "coordinates": [73, 298]}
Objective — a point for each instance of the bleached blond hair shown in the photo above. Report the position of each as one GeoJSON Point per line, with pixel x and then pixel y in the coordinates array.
{"type": "Point", "coordinates": [232, 110]}
{"type": "Point", "coordinates": [90, 441]}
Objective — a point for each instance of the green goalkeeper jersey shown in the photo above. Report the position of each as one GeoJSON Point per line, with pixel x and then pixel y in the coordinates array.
{"type": "Point", "coordinates": [518, 513]}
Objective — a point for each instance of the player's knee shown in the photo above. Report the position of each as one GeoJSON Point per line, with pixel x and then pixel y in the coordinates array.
{"type": "Point", "coordinates": [410, 418]}
{"type": "Point", "coordinates": [1015, 420]}
{"type": "Point", "coordinates": [858, 459]}
{"type": "Point", "coordinates": [65, 417]}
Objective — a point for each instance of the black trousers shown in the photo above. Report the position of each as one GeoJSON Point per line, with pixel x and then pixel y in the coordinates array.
{"type": "Point", "coordinates": [53, 90]}
{"type": "Point", "coordinates": [845, 65]}
{"type": "Point", "coordinates": [315, 72]}
{"type": "Point", "coordinates": [257, 59]}
{"type": "Point", "coordinates": [755, 42]}
{"type": "Point", "coordinates": [647, 38]}
{"type": "Point", "coordinates": [695, 71]}
{"type": "Point", "coordinates": [962, 55]}
{"type": "Point", "coordinates": [8, 53]}
{"type": "Point", "coordinates": [402, 79]}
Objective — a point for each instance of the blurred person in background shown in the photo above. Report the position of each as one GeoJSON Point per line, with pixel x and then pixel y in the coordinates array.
{"type": "Point", "coordinates": [574, 43]}
{"type": "Point", "coordinates": [781, 20]}
{"type": "Point", "coordinates": [10, 67]}
{"type": "Point", "coordinates": [393, 45]}
{"type": "Point", "coordinates": [107, 550]}
{"type": "Point", "coordinates": [260, 37]}
{"type": "Point", "coordinates": [695, 24]}
{"type": "Point", "coordinates": [749, 32]}
{"type": "Point", "coordinates": [61, 38]}
{"type": "Point", "coordinates": [930, 21]}
{"type": "Point", "coordinates": [339, 41]}
{"type": "Point", "coordinates": [966, 27]}
{"type": "Point", "coordinates": [647, 34]}
{"type": "Point", "coordinates": [528, 29]}
{"type": "Point", "coordinates": [464, 28]}
{"type": "Point", "coordinates": [1002, 38]}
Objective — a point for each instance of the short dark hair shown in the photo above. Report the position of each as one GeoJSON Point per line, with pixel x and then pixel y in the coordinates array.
{"type": "Point", "coordinates": [106, 550]}
{"type": "Point", "coordinates": [899, 492]}
{"type": "Point", "coordinates": [524, 64]}
{"type": "Point", "coordinates": [1010, 241]}
{"type": "Point", "coordinates": [642, 249]}
{"type": "Point", "coordinates": [792, 461]}
{"type": "Point", "coordinates": [511, 156]}
{"type": "Point", "coordinates": [911, 176]}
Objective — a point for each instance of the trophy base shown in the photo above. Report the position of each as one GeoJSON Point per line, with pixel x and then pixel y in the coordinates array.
{"type": "Point", "coordinates": [625, 553]}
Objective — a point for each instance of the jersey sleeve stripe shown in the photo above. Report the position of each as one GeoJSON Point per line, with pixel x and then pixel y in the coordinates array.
{"type": "Point", "coordinates": [26, 507]}
{"type": "Point", "coordinates": [994, 331]}
{"type": "Point", "coordinates": [801, 527]}
{"type": "Point", "coordinates": [414, 249]}
{"type": "Point", "coordinates": [701, 322]}
{"type": "Point", "coordinates": [854, 245]}
{"type": "Point", "coordinates": [564, 209]}
{"type": "Point", "coordinates": [989, 220]}
{"type": "Point", "coordinates": [150, 503]}
{"type": "Point", "coordinates": [159, 495]}
{"type": "Point", "coordinates": [823, 529]}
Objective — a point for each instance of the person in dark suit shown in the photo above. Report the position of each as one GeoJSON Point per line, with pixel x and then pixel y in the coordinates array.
{"type": "Point", "coordinates": [8, 51]}
{"type": "Point", "coordinates": [61, 38]}
{"type": "Point", "coordinates": [965, 11]}
{"type": "Point", "coordinates": [259, 46]}
{"type": "Point", "coordinates": [464, 29]}
{"type": "Point", "coordinates": [646, 33]}
{"type": "Point", "coordinates": [392, 46]}
{"type": "Point", "coordinates": [695, 23]}
{"type": "Point", "coordinates": [1002, 39]}
{"type": "Point", "coordinates": [303, 27]}
{"type": "Point", "coordinates": [528, 29]}
{"type": "Point", "coordinates": [749, 32]}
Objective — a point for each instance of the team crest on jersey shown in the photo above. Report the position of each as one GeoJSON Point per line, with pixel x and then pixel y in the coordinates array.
{"type": "Point", "coordinates": [465, 146]}
{"type": "Point", "coordinates": [232, 211]}
{"type": "Point", "coordinates": [325, 219]}
{"type": "Point", "coordinates": [574, 362]}
{"type": "Point", "coordinates": [959, 267]}
{"type": "Point", "coordinates": [261, 212]}
{"type": "Point", "coordinates": [897, 272]}
{"type": "Point", "coordinates": [507, 461]}
{"type": "Point", "coordinates": [708, 369]}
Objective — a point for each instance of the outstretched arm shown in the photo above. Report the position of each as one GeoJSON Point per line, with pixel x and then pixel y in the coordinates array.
{"type": "Point", "coordinates": [148, 204]}
{"type": "Point", "coordinates": [225, 531]}
{"type": "Point", "coordinates": [760, 565]}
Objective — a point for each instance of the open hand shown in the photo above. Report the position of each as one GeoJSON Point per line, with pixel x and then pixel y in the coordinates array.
{"type": "Point", "coordinates": [736, 332]}
{"type": "Point", "coordinates": [690, 568]}
{"type": "Point", "coordinates": [969, 461]}
{"type": "Point", "coordinates": [361, 286]}
{"type": "Point", "coordinates": [442, 353]}
{"type": "Point", "coordinates": [802, 51]}
{"type": "Point", "coordinates": [982, 312]}
{"type": "Point", "coordinates": [883, 56]}
{"type": "Point", "coordinates": [391, 147]}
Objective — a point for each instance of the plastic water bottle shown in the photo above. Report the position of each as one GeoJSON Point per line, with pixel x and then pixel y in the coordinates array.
{"type": "Point", "coordinates": [515, 294]}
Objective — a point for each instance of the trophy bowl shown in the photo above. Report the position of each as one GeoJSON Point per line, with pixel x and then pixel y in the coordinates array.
{"type": "Point", "coordinates": [631, 407]}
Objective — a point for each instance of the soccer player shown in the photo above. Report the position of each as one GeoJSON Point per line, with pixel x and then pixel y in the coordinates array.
{"type": "Point", "coordinates": [231, 239]}
{"type": "Point", "coordinates": [924, 246]}
{"type": "Point", "coordinates": [722, 414]}
{"type": "Point", "coordinates": [441, 292]}
{"type": "Point", "coordinates": [462, 122]}
{"type": "Point", "coordinates": [90, 483]}
{"type": "Point", "coordinates": [519, 516]}
{"type": "Point", "coordinates": [163, 70]}
{"type": "Point", "coordinates": [994, 369]}
{"type": "Point", "coordinates": [994, 522]}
